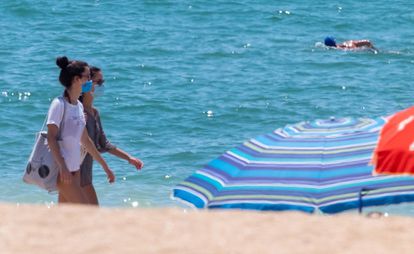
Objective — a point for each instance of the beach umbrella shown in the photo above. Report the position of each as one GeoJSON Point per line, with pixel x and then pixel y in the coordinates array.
{"type": "Point", "coordinates": [322, 164]}
{"type": "Point", "coordinates": [394, 153]}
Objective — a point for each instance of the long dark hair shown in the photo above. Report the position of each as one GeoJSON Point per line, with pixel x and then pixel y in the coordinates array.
{"type": "Point", "coordinates": [94, 70]}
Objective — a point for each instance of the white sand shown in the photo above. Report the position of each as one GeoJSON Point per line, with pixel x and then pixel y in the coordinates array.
{"type": "Point", "coordinates": [78, 229]}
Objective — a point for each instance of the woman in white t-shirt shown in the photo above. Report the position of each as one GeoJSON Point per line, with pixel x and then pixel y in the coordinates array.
{"type": "Point", "coordinates": [68, 114]}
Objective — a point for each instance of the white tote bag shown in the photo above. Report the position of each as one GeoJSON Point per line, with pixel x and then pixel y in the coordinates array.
{"type": "Point", "coordinates": [41, 169]}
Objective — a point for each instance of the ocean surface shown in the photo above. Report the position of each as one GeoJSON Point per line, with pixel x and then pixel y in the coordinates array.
{"type": "Point", "coordinates": [188, 80]}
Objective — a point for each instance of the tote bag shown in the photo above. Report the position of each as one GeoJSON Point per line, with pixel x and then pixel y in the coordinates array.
{"type": "Point", "coordinates": [41, 169]}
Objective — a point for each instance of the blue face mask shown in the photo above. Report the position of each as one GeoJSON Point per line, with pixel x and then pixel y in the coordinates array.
{"type": "Point", "coordinates": [87, 86]}
{"type": "Point", "coordinates": [99, 91]}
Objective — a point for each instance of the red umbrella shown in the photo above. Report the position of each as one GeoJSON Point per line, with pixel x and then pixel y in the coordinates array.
{"type": "Point", "coordinates": [394, 153]}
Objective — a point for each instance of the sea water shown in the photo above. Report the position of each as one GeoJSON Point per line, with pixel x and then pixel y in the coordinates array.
{"type": "Point", "coordinates": [188, 80]}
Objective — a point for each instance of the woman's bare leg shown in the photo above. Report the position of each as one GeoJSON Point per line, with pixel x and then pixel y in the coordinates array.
{"type": "Point", "coordinates": [72, 192]}
{"type": "Point", "coordinates": [61, 199]}
{"type": "Point", "coordinates": [90, 194]}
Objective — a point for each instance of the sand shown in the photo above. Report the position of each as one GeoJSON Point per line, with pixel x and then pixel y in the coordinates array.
{"type": "Point", "coordinates": [81, 229]}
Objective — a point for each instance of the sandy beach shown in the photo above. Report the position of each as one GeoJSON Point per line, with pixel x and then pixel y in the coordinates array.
{"type": "Point", "coordinates": [79, 229]}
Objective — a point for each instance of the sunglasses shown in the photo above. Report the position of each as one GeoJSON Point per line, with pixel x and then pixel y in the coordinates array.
{"type": "Point", "coordinates": [100, 82]}
{"type": "Point", "coordinates": [86, 76]}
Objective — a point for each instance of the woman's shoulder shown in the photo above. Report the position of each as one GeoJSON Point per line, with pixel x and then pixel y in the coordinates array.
{"type": "Point", "coordinates": [58, 102]}
{"type": "Point", "coordinates": [80, 105]}
{"type": "Point", "coordinates": [95, 111]}
{"type": "Point", "coordinates": [59, 99]}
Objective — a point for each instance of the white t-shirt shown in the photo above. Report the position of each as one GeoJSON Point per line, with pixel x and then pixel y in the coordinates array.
{"type": "Point", "coordinates": [72, 129]}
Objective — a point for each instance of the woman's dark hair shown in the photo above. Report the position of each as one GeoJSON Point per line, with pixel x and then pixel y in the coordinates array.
{"type": "Point", "coordinates": [94, 70]}
{"type": "Point", "coordinates": [69, 70]}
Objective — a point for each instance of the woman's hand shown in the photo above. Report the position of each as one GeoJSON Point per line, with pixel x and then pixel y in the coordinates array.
{"type": "Point", "coordinates": [136, 162]}
{"type": "Point", "coordinates": [124, 155]}
{"type": "Point", "coordinates": [91, 149]}
{"type": "Point", "coordinates": [110, 175]}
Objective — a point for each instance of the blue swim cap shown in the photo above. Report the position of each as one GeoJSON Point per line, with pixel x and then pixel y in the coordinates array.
{"type": "Point", "coordinates": [330, 41]}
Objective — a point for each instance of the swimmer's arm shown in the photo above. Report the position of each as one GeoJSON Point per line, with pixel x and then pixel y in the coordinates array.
{"type": "Point", "coordinates": [344, 45]}
{"type": "Point", "coordinates": [363, 43]}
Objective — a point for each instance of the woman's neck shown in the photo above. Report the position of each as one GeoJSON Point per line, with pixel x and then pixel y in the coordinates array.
{"type": "Point", "coordinates": [87, 102]}
{"type": "Point", "coordinates": [72, 96]}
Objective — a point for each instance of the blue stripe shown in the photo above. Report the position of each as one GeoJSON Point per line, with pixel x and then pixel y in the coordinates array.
{"type": "Point", "coordinates": [298, 166]}
{"type": "Point", "coordinates": [188, 197]}
{"type": "Point", "coordinates": [351, 187]}
{"type": "Point", "coordinates": [397, 199]}
{"type": "Point", "coordinates": [232, 170]}
{"type": "Point", "coordinates": [320, 142]}
{"type": "Point", "coordinates": [280, 160]}
{"type": "Point", "coordinates": [207, 183]}
{"type": "Point", "coordinates": [297, 154]}
{"type": "Point", "coordinates": [264, 207]}
{"type": "Point", "coordinates": [302, 137]}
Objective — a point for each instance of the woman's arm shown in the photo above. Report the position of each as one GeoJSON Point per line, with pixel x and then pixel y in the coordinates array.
{"type": "Point", "coordinates": [91, 149]}
{"type": "Point", "coordinates": [52, 133]}
{"type": "Point", "coordinates": [124, 155]}
{"type": "Point", "coordinates": [110, 148]}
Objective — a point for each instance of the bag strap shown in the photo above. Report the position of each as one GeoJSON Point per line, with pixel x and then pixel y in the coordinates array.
{"type": "Point", "coordinates": [61, 122]}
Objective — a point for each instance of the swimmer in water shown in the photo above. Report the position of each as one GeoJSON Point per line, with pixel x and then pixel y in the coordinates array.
{"type": "Point", "coordinates": [349, 45]}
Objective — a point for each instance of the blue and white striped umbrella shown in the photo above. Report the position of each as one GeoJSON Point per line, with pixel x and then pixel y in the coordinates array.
{"type": "Point", "coordinates": [323, 164]}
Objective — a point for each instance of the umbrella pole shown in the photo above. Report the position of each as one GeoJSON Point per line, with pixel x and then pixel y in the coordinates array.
{"type": "Point", "coordinates": [362, 193]}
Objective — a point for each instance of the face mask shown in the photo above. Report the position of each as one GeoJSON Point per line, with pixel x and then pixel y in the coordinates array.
{"type": "Point", "coordinates": [87, 86]}
{"type": "Point", "coordinates": [99, 91]}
